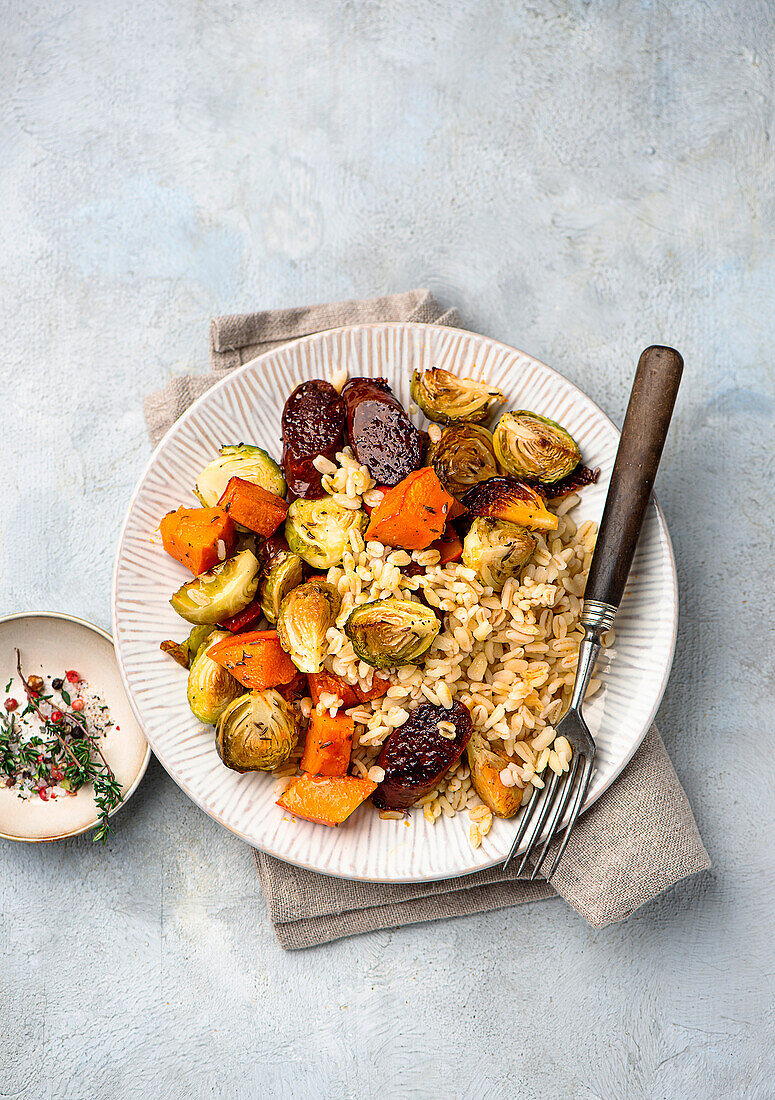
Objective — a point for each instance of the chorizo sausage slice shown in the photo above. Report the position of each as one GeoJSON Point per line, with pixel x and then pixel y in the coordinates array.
{"type": "Point", "coordinates": [417, 754]}
{"type": "Point", "coordinates": [382, 436]}
{"type": "Point", "coordinates": [313, 424]}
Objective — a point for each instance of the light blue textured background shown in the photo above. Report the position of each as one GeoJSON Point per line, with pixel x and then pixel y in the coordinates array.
{"type": "Point", "coordinates": [581, 180]}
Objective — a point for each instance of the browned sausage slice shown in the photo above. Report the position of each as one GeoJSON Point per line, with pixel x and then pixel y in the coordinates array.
{"type": "Point", "coordinates": [381, 435]}
{"type": "Point", "coordinates": [417, 754]}
{"type": "Point", "coordinates": [313, 424]}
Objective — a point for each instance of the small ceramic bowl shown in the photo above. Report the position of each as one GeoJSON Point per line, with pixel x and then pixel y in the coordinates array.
{"type": "Point", "coordinates": [49, 643]}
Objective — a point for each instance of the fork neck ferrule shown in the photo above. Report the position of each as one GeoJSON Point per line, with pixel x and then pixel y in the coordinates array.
{"type": "Point", "coordinates": [596, 618]}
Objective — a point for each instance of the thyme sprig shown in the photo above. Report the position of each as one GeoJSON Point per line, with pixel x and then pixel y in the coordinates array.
{"type": "Point", "coordinates": [77, 748]}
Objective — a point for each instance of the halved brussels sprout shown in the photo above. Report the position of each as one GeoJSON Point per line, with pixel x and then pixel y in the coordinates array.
{"type": "Point", "coordinates": [210, 687]}
{"type": "Point", "coordinates": [239, 460]}
{"type": "Point", "coordinates": [285, 572]}
{"type": "Point", "coordinates": [485, 766]}
{"type": "Point", "coordinates": [497, 550]}
{"type": "Point", "coordinates": [185, 652]}
{"type": "Point", "coordinates": [512, 500]}
{"type": "Point", "coordinates": [306, 615]}
{"type": "Point", "coordinates": [463, 457]}
{"type": "Point", "coordinates": [532, 446]}
{"type": "Point", "coordinates": [391, 632]}
{"type": "Point", "coordinates": [319, 530]}
{"type": "Point", "coordinates": [257, 732]}
{"type": "Point", "coordinates": [220, 592]}
{"type": "Point", "coordinates": [444, 397]}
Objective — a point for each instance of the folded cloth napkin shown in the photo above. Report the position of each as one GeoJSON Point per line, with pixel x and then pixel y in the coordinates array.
{"type": "Point", "coordinates": [637, 840]}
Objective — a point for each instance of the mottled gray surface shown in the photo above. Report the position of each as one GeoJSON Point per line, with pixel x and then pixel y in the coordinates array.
{"type": "Point", "coordinates": [581, 180]}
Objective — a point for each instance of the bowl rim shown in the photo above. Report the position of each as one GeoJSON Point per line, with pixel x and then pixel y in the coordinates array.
{"type": "Point", "coordinates": [15, 616]}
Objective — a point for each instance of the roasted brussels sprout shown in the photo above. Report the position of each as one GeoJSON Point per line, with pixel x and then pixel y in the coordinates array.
{"type": "Point", "coordinates": [220, 592]}
{"type": "Point", "coordinates": [239, 460]}
{"type": "Point", "coordinates": [444, 397]}
{"type": "Point", "coordinates": [485, 766]}
{"type": "Point", "coordinates": [185, 652]}
{"type": "Point", "coordinates": [306, 615]}
{"type": "Point", "coordinates": [285, 572]}
{"type": "Point", "coordinates": [210, 687]}
{"type": "Point", "coordinates": [497, 550]}
{"type": "Point", "coordinates": [512, 500]}
{"type": "Point", "coordinates": [463, 457]}
{"type": "Point", "coordinates": [391, 632]}
{"type": "Point", "coordinates": [532, 446]}
{"type": "Point", "coordinates": [257, 732]}
{"type": "Point", "coordinates": [319, 530]}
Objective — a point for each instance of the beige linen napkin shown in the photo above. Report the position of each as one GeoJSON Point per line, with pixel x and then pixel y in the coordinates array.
{"type": "Point", "coordinates": [638, 839]}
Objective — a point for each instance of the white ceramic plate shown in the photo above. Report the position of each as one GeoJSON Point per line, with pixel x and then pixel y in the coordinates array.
{"type": "Point", "coordinates": [49, 643]}
{"type": "Point", "coordinates": [247, 406]}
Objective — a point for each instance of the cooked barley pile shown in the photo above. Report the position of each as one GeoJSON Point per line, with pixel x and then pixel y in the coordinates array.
{"type": "Point", "coordinates": [510, 657]}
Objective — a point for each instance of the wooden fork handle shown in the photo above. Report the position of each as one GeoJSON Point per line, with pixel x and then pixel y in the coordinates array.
{"type": "Point", "coordinates": [640, 448]}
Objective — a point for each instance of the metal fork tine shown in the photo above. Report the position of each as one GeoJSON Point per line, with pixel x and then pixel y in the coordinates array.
{"type": "Point", "coordinates": [574, 813]}
{"type": "Point", "coordinates": [527, 819]}
{"type": "Point", "coordinates": [560, 807]}
{"type": "Point", "coordinates": [538, 828]}
{"type": "Point", "coordinates": [526, 816]}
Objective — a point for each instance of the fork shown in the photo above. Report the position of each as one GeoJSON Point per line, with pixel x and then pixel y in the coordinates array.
{"type": "Point", "coordinates": [650, 408]}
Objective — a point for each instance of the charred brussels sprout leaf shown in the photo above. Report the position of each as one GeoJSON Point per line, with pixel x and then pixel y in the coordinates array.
{"type": "Point", "coordinates": [532, 446]}
{"type": "Point", "coordinates": [285, 573]}
{"type": "Point", "coordinates": [497, 550]}
{"type": "Point", "coordinates": [319, 530]}
{"type": "Point", "coordinates": [391, 632]}
{"type": "Point", "coordinates": [486, 766]}
{"type": "Point", "coordinates": [257, 732]}
{"type": "Point", "coordinates": [508, 499]}
{"type": "Point", "coordinates": [240, 460]}
{"type": "Point", "coordinates": [220, 592]}
{"type": "Point", "coordinates": [210, 687]}
{"type": "Point", "coordinates": [306, 615]}
{"type": "Point", "coordinates": [463, 457]}
{"type": "Point", "coordinates": [445, 398]}
{"type": "Point", "coordinates": [184, 652]}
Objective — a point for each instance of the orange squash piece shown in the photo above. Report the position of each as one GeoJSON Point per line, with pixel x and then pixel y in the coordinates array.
{"type": "Point", "coordinates": [413, 514]}
{"type": "Point", "coordinates": [378, 688]}
{"type": "Point", "coordinates": [256, 659]}
{"type": "Point", "coordinates": [327, 800]}
{"type": "Point", "coordinates": [191, 536]}
{"type": "Point", "coordinates": [253, 507]}
{"type": "Point", "coordinates": [350, 694]}
{"type": "Point", "coordinates": [450, 548]}
{"type": "Point", "coordinates": [330, 684]}
{"type": "Point", "coordinates": [328, 745]}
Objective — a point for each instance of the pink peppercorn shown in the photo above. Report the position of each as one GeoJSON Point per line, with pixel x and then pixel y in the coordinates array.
{"type": "Point", "coordinates": [73, 676]}
{"type": "Point", "coordinates": [56, 716]}
{"type": "Point", "coordinates": [78, 704]}
{"type": "Point", "coordinates": [11, 704]}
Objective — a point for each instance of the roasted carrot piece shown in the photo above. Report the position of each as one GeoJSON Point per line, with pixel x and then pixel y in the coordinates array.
{"type": "Point", "coordinates": [244, 619]}
{"type": "Point", "coordinates": [323, 681]}
{"type": "Point", "coordinates": [256, 659]}
{"type": "Point", "coordinates": [192, 536]}
{"type": "Point", "coordinates": [378, 688]}
{"type": "Point", "coordinates": [295, 690]}
{"type": "Point", "coordinates": [328, 800]}
{"type": "Point", "coordinates": [413, 514]}
{"type": "Point", "coordinates": [328, 745]}
{"type": "Point", "coordinates": [253, 507]}
{"type": "Point", "coordinates": [450, 548]}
